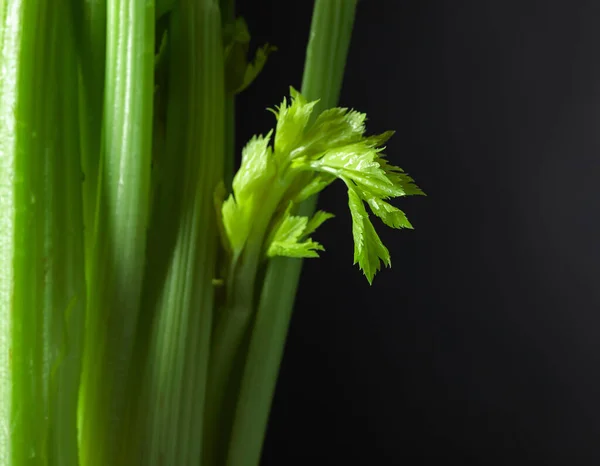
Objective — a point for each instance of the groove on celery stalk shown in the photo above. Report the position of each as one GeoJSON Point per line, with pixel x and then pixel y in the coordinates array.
{"type": "Point", "coordinates": [90, 28]}
{"type": "Point", "coordinates": [42, 290]}
{"type": "Point", "coordinates": [330, 34]}
{"type": "Point", "coordinates": [119, 247]}
{"type": "Point", "coordinates": [178, 283]}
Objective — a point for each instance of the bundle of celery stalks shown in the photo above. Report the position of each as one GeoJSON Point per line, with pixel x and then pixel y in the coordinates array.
{"type": "Point", "coordinates": [146, 286]}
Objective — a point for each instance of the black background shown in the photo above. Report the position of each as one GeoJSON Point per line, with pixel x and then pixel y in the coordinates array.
{"type": "Point", "coordinates": [481, 346]}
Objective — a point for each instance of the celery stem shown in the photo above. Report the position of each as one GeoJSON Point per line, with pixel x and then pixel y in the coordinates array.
{"type": "Point", "coordinates": [119, 247]}
{"type": "Point", "coordinates": [91, 29]}
{"type": "Point", "coordinates": [330, 34]}
{"type": "Point", "coordinates": [178, 289]}
{"type": "Point", "coordinates": [42, 289]}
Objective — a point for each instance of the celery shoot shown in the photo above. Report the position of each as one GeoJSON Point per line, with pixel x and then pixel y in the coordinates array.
{"type": "Point", "coordinates": [330, 33]}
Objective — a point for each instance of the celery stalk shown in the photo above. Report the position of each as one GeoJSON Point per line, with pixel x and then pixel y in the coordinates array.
{"type": "Point", "coordinates": [330, 35]}
{"type": "Point", "coordinates": [118, 256]}
{"type": "Point", "coordinates": [233, 322]}
{"type": "Point", "coordinates": [42, 289]}
{"type": "Point", "coordinates": [183, 239]}
{"type": "Point", "coordinates": [91, 30]}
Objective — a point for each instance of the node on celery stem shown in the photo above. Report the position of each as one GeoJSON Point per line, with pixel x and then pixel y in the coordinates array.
{"type": "Point", "coordinates": [303, 160]}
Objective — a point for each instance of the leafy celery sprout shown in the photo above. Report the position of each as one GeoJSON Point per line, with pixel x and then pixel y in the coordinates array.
{"type": "Point", "coordinates": [303, 159]}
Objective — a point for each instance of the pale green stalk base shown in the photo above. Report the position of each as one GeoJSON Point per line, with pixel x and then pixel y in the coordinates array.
{"type": "Point", "coordinates": [42, 289]}
{"type": "Point", "coordinates": [330, 34]}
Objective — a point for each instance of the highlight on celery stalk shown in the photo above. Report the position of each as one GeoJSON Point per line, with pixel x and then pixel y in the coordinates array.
{"type": "Point", "coordinates": [303, 160]}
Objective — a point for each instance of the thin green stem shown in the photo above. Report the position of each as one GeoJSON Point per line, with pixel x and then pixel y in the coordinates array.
{"type": "Point", "coordinates": [42, 290]}
{"type": "Point", "coordinates": [330, 35]}
{"type": "Point", "coordinates": [183, 239]}
{"type": "Point", "coordinates": [228, 16]}
{"type": "Point", "coordinates": [120, 235]}
{"type": "Point", "coordinates": [231, 332]}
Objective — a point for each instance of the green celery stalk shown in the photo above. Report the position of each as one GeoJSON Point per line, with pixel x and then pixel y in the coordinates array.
{"type": "Point", "coordinates": [230, 336]}
{"type": "Point", "coordinates": [330, 34]}
{"type": "Point", "coordinates": [91, 34]}
{"type": "Point", "coordinates": [42, 288]}
{"type": "Point", "coordinates": [118, 256]}
{"type": "Point", "coordinates": [183, 239]}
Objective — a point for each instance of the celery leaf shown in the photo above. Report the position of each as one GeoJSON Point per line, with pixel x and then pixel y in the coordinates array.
{"type": "Point", "coordinates": [369, 251]}
{"type": "Point", "coordinates": [254, 68]}
{"type": "Point", "coordinates": [239, 72]}
{"type": "Point", "coordinates": [288, 239]}
{"type": "Point", "coordinates": [236, 222]}
{"type": "Point", "coordinates": [292, 120]}
{"type": "Point", "coordinates": [256, 168]}
{"type": "Point", "coordinates": [333, 128]}
{"type": "Point", "coordinates": [316, 184]}
{"type": "Point", "coordinates": [316, 221]}
{"type": "Point", "coordinates": [390, 215]}
{"type": "Point", "coordinates": [304, 159]}
{"type": "Point", "coordinates": [251, 185]}
{"type": "Point", "coordinates": [360, 163]}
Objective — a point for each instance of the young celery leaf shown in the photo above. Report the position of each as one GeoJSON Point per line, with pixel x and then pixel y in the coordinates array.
{"type": "Point", "coordinates": [292, 120]}
{"type": "Point", "coordinates": [303, 161]}
{"type": "Point", "coordinates": [316, 221]}
{"type": "Point", "coordinates": [369, 251]}
{"type": "Point", "coordinates": [239, 72]}
{"type": "Point", "coordinates": [288, 239]}
{"type": "Point", "coordinates": [390, 215]}
{"type": "Point", "coordinates": [333, 128]}
{"type": "Point", "coordinates": [291, 236]}
{"type": "Point", "coordinates": [250, 186]}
